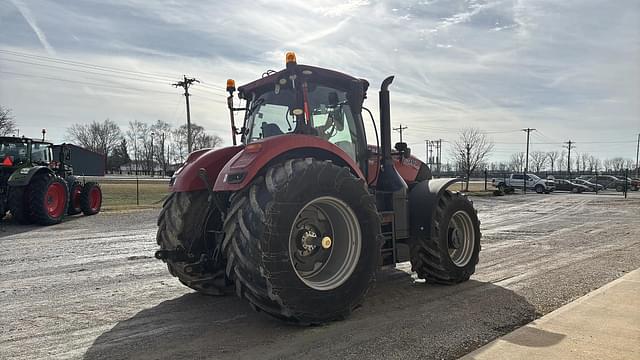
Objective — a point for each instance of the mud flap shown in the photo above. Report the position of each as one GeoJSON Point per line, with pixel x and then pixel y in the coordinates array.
{"type": "Point", "coordinates": [423, 199]}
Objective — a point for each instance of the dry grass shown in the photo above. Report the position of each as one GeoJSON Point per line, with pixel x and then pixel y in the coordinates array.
{"type": "Point", "coordinates": [120, 195]}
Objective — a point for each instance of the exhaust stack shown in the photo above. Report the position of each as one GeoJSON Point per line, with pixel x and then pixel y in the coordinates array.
{"type": "Point", "coordinates": [388, 178]}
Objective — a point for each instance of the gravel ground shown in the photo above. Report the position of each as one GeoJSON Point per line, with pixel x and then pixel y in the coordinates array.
{"type": "Point", "coordinates": [89, 288]}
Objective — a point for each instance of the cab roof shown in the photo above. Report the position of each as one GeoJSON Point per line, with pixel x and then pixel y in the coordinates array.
{"type": "Point", "coordinates": [331, 77]}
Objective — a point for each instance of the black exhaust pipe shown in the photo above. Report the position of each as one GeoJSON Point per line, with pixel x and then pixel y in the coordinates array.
{"type": "Point", "coordinates": [388, 178]}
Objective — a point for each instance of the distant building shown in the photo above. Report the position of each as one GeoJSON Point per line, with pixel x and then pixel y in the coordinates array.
{"type": "Point", "coordinates": [84, 162]}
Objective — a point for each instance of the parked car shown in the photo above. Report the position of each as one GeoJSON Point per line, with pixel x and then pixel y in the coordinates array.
{"type": "Point", "coordinates": [634, 185]}
{"type": "Point", "coordinates": [590, 185]}
{"type": "Point", "coordinates": [516, 181]}
{"type": "Point", "coordinates": [608, 181]}
{"type": "Point", "coordinates": [566, 185]}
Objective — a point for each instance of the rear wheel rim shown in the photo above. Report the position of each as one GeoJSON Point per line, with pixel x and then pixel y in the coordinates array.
{"type": "Point", "coordinates": [54, 200]}
{"type": "Point", "coordinates": [325, 243]}
{"type": "Point", "coordinates": [460, 238]}
{"type": "Point", "coordinates": [95, 199]}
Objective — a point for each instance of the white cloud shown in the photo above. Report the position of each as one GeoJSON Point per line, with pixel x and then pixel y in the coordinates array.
{"type": "Point", "coordinates": [499, 64]}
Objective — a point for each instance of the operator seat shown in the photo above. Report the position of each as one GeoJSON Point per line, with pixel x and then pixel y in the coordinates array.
{"type": "Point", "coordinates": [270, 129]}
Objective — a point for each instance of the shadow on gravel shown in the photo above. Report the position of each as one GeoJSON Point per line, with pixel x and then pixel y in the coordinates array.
{"type": "Point", "coordinates": [10, 227]}
{"type": "Point", "coordinates": [401, 318]}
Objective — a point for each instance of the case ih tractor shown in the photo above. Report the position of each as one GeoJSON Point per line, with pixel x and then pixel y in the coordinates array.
{"type": "Point", "coordinates": [35, 188]}
{"type": "Point", "coordinates": [297, 218]}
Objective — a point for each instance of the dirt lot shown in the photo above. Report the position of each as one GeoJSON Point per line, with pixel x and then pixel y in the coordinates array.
{"type": "Point", "coordinates": [89, 288]}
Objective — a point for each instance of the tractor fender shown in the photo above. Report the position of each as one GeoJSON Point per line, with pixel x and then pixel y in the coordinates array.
{"type": "Point", "coordinates": [23, 176]}
{"type": "Point", "coordinates": [213, 160]}
{"type": "Point", "coordinates": [423, 199]}
{"type": "Point", "coordinates": [246, 164]}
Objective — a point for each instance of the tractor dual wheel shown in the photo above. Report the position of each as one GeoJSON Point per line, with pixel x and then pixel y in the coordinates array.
{"type": "Point", "coordinates": [48, 198]}
{"type": "Point", "coordinates": [186, 222]}
{"type": "Point", "coordinates": [75, 190]}
{"type": "Point", "coordinates": [90, 198]}
{"type": "Point", "coordinates": [302, 242]}
{"type": "Point", "coordinates": [450, 254]}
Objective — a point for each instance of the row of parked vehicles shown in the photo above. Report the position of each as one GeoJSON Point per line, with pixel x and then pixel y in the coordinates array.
{"type": "Point", "coordinates": [583, 183]}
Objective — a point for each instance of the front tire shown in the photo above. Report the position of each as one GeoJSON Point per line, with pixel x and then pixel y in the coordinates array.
{"type": "Point", "coordinates": [451, 253]}
{"type": "Point", "coordinates": [285, 250]}
{"type": "Point", "coordinates": [91, 198]}
{"type": "Point", "coordinates": [539, 189]}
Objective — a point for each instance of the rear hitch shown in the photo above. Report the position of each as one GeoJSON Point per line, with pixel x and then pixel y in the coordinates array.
{"type": "Point", "coordinates": [177, 254]}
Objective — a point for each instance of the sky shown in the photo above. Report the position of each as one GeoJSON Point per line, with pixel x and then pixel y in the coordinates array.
{"type": "Point", "coordinates": [570, 69]}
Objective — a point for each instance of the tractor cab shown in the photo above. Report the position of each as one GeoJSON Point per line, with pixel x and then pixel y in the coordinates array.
{"type": "Point", "coordinates": [306, 100]}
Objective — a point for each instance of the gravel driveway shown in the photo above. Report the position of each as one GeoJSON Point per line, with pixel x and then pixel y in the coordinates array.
{"type": "Point", "coordinates": [90, 288]}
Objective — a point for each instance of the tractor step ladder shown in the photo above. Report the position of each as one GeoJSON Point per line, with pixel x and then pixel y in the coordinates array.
{"type": "Point", "coordinates": [388, 250]}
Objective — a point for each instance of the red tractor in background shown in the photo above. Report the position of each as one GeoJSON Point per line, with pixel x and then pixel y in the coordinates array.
{"type": "Point", "coordinates": [298, 216]}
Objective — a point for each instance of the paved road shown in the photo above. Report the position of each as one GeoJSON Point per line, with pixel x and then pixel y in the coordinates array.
{"type": "Point", "coordinates": [89, 288]}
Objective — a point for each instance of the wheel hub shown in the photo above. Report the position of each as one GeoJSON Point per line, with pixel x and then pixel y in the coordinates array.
{"type": "Point", "coordinates": [460, 238]}
{"type": "Point", "coordinates": [317, 259]}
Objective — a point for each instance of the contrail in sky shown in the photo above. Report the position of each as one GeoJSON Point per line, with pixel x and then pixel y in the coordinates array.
{"type": "Point", "coordinates": [28, 16]}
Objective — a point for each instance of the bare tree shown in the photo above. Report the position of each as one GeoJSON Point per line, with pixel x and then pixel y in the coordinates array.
{"type": "Point", "coordinates": [201, 140]}
{"type": "Point", "coordinates": [594, 163]}
{"type": "Point", "coordinates": [516, 163]}
{"type": "Point", "coordinates": [584, 161]}
{"type": "Point", "coordinates": [7, 122]}
{"type": "Point", "coordinates": [136, 136]}
{"type": "Point", "coordinates": [562, 160]}
{"type": "Point", "coordinates": [101, 137]}
{"type": "Point", "coordinates": [470, 151]}
{"type": "Point", "coordinates": [617, 164]}
{"type": "Point", "coordinates": [553, 157]}
{"type": "Point", "coordinates": [538, 160]}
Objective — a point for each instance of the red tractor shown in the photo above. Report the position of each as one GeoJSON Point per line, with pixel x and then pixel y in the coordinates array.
{"type": "Point", "coordinates": [297, 218]}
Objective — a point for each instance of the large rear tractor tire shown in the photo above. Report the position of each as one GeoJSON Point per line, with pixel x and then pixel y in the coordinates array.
{"type": "Point", "coordinates": [186, 222]}
{"type": "Point", "coordinates": [75, 190]}
{"type": "Point", "coordinates": [91, 198]}
{"type": "Point", "coordinates": [450, 254]}
{"type": "Point", "coordinates": [303, 241]}
{"type": "Point", "coordinates": [19, 205]}
{"type": "Point", "coordinates": [48, 199]}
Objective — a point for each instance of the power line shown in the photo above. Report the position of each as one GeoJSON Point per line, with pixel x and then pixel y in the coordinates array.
{"type": "Point", "coordinates": [165, 77]}
{"type": "Point", "coordinates": [83, 82]}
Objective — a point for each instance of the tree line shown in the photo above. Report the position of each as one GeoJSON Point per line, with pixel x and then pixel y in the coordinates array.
{"type": "Point", "coordinates": [143, 147]}
{"type": "Point", "coordinates": [557, 161]}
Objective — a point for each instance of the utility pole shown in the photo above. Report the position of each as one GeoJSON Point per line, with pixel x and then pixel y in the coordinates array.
{"type": "Point", "coordinates": [526, 161]}
{"type": "Point", "coordinates": [569, 146]}
{"type": "Point", "coordinates": [151, 166]}
{"type": "Point", "coordinates": [399, 129]}
{"type": "Point", "coordinates": [439, 155]}
{"type": "Point", "coordinates": [637, 158]}
{"type": "Point", "coordinates": [426, 151]}
{"type": "Point", "coordinates": [164, 159]}
{"type": "Point", "coordinates": [185, 83]}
